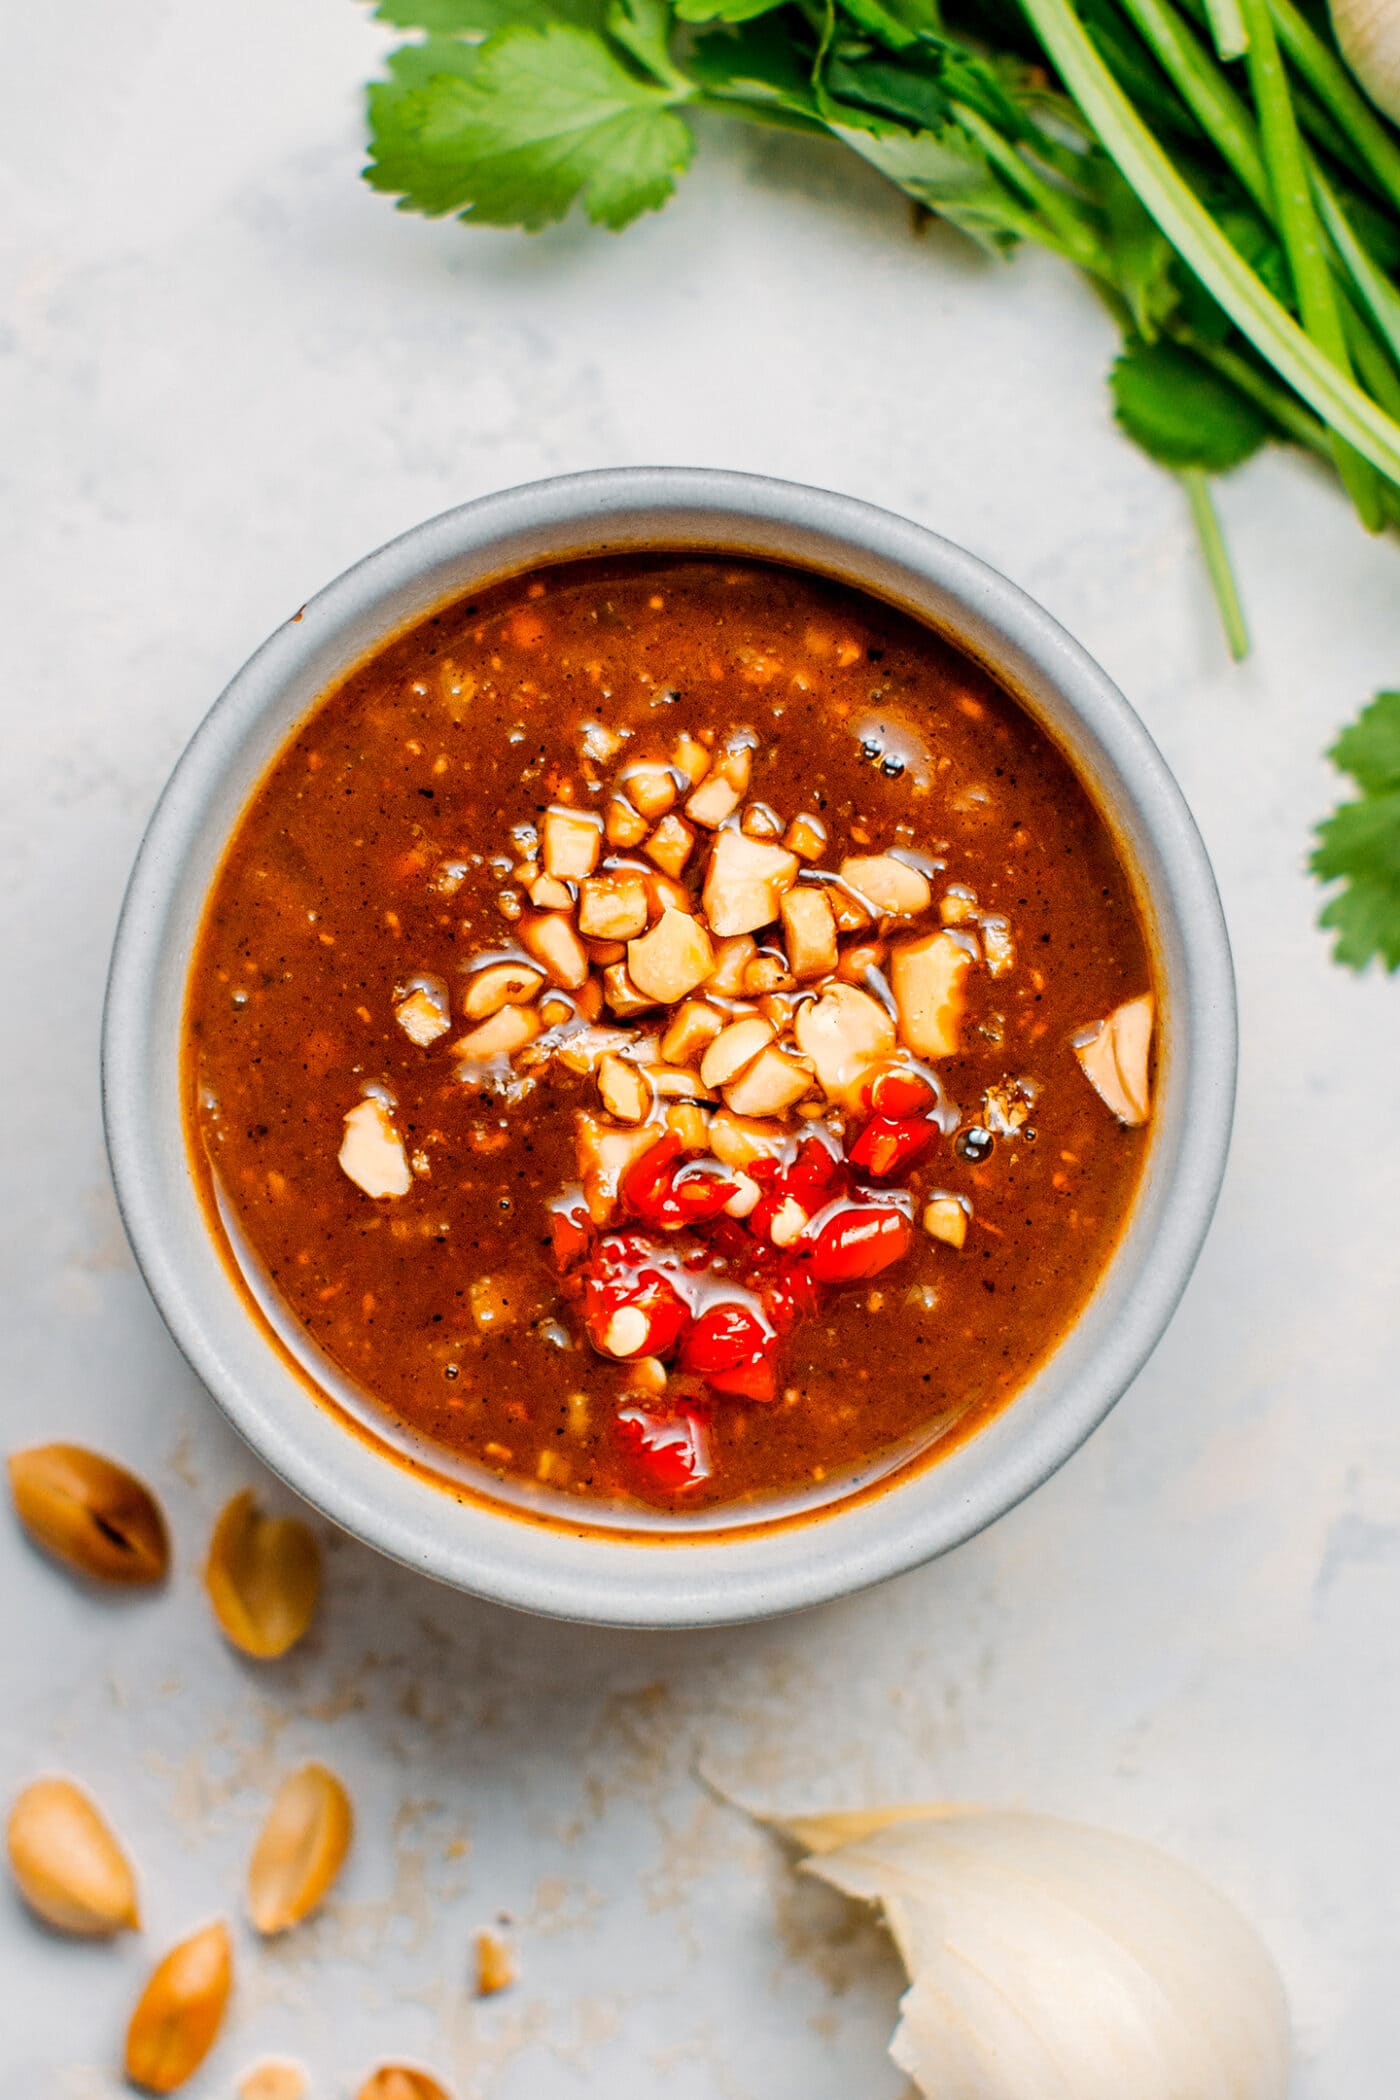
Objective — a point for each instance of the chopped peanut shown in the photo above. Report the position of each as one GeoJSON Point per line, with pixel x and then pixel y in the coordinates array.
{"type": "Point", "coordinates": [621, 995]}
{"type": "Point", "coordinates": [651, 790]}
{"type": "Point", "coordinates": [767, 973]}
{"type": "Point", "coordinates": [713, 801]}
{"type": "Point", "coordinates": [690, 1123]}
{"type": "Point", "coordinates": [761, 822]}
{"type": "Point", "coordinates": [809, 933]}
{"type": "Point", "coordinates": [732, 959]}
{"type": "Point", "coordinates": [623, 824]}
{"type": "Point", "coordinates": [605, 952]}
{"type": "Point", "coordinates": [669, 845]}
{"type": "Point", "coordinates": [495, 1965]}
{"type": "Point", "coordinates": [844, 1033]}
{"type": "Point", "coordinates": [423, 1015]}
{"type": "Point", "coordinates": [664, 893]}
{"type": "Point", "coordinates": [997, 950]}
{"type": "Point", "coordinates": [1115, 1060]}
{"type": "Point", "coordinates": [738, 1141]}
{"type": "Point", "coordinates": [773, 1083]}
{"type": "Point", "coordinates": [612, 907]}
{"type": "Point", "coordinates": [849, 913]}
{"type": "Point", "coordinates": [862, 957]}
{"type": "Point", "coordinates": [547, 893]}
{"type": "Point", "coordinates": [691, 758]}
{"type": "Point", "coordinates": [926, 977]}
{"type": "Point", "coordinates": [694, 1026]}
{"type": "Point", "coordinates": [604, 1155]}
{"type": "Point", "coordinates": [945, 1218]}
{"type": "Point", "coordinates": [789, 1223]}
{"type": "Point", "coordinates": [553, 940]}
{"type": "Point", "coordinates": [498, 985]}
{"type": "Point", "coordinates": [745, 883]}
{"type": "Point", "coordinates": [676, 1083]}
{"type": "Point", "coordinates": [672, 959]}
{"type": "Point", "coordinates": [505, 1033]}
{"type": "Point", "coordinates": [733, 1048]}
{"type": "Point", "coordinates": [572, 841]}
{"type": "Point", "coordinates": [372, 1153]}
{"type": "Point", "coordinates": [957, 905]}
{"type": "Point", "coordinates": [890, 887]}
{"type": "Point", "coordinates": [806, 836]}
{"type": "Point", "coordinates": [625, 1092]}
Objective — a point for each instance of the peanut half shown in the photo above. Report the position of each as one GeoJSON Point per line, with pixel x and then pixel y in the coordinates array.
{"type": "Point", "coordinates": [300, 1850]}
{"type": "Point", "coordinates": [400, 2082]}
{"type": "Point", "coordinates": [178, 2015]}
{"type": "Point", "coordinates": [89, 1513]}
{"type": "Point", "coordinates": [66, 1862]}
{"type": "Point", "coordinates": [263, 1576]}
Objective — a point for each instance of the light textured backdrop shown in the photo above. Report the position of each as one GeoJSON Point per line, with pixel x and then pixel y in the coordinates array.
{"type": "Point", "coordinates": [227, 371]}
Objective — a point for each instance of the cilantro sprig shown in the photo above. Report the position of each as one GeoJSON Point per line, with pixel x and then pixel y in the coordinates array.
{"type": "Point", "coordinates": [1359, 844]}
{"type": "Point", "coordinates": [1239, 215]}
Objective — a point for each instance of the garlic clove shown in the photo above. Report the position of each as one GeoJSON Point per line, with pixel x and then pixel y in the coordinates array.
{"type": "Point", "coordinates": [90, 1513]}
{"type": "Point", "coordinates": [401, 2082]}
{"type": "Point", "coordinates": [300, 1850]}
{"type": "Point", "coordinates": [263, 1577]}
{"type": "Point", "coordinates": [1052, 1960]}
{"type": "Point", "coordinates": [180, 2012]}
{"type": "Point", "coordinates": [66, 1863]}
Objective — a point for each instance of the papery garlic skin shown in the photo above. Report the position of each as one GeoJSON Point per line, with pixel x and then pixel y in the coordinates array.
{"type": "Point", "coordinates": [1050, 1961]}
{"type": "Point", "coordinates": [1369, 34]}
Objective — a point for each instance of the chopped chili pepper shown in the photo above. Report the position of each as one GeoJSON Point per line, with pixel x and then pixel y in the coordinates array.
{"type": "Point", "coordinates": [621, 1280]}
{"type": "Point", "coordinates": [571, 1234]}
{"type": "Point", "coordinates": [673, 1450]}
{"type": "Point", "coordinates": [813, 1175]}
{"type": "Point", "coordinates": [899, 1092]}
{"type": "Point", "coordinates": [859, 1242]}
{"type": "Point", "coordinates": [732, 1352]}
{"type": "Point", "coordinates": [752, 1381]}
{"type": "Point", "coordinates": [726, 1335]}
{"type": "Point", "coordinates": [646, 1185]}
{"type": "Point", "coordinates": [886, 1145]}
{"type": "Point", "coordinates": [791, 1295]}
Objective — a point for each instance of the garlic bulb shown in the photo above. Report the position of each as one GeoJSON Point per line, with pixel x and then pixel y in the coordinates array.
{"type": "Point", "coordinates": [1369, 34]}
{"type": "Point", "coordinates": [1048, 1961]}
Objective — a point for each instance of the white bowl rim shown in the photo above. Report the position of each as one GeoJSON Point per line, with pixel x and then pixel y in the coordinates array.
{"type": "Point", "coordinates": [584, 1573]}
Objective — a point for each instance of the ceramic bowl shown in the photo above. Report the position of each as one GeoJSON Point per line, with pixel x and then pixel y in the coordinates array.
{"type": "Point", "coordinates": [678, 1575]}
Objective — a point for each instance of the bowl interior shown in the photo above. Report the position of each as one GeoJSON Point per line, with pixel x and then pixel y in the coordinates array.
{"type": "Point", "coordinates": [569, 1567]}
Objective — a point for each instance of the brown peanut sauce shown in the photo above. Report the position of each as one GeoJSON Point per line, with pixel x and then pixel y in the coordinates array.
{"type": "Point", "coordinates": [373, 860]}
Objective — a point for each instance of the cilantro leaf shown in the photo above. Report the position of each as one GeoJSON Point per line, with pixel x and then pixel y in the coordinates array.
{"type": "Point", "coordinates": [545, 118]}
{"type": "Point", "coordinates": [1180, 412]}
{"type": "Point", "coordinates": [723, 10]}
{"type": "Point", "coordinates": [1359, 844]}
{"type": "Point", "coordinates": [485, 17]}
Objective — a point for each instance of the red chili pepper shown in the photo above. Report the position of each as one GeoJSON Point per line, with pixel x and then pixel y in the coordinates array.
{"type": "Point", "coordinates": [899, 1092]}
{"type": "Point", "coordinates": [791, 1295]}
{"type": "Point", "coordinates": [752, 1381]}
{"type": "Point", "coordinates": [886, 1145]}
{"type": "Point", "coordinates": [701, 1192]}
{"type": "Point", "coordinates": [724, 1336]}
{"type": "Point", "coordinates": [647, 1183]}
{"type": "Point", "coordinates": [673, 1450]}
{"type": "Point", "coordinates": [731, 1350]}
{"type": "Point", "coordinates": [621, 1279]}
{"type": "Point", "coordinates": [859, 1242]}
{"type": "Point", "coordinates": [813, 1174]}
{"type": "Point", "coordinates": [571, 1232]}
